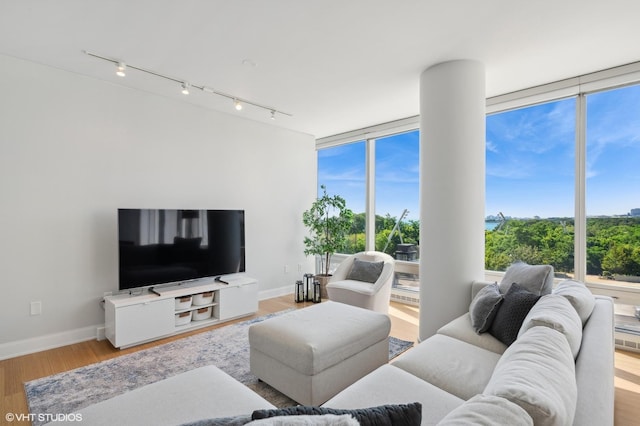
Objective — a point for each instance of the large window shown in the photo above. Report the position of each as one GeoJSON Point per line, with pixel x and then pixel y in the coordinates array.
{"type": "Point", "coordinates": [397, 195]}
{"type": "Point", "coordinates": [562, 180]}
{"type": "Point", "coordinates": [394, 182]}
{"type": "Point", "coordinates": [613, 185]}
{"type": "Point", "coordinates": [342, 170]}
{"type": "Point", "coordinates": [530, 162]}
{"type": "Point", "coordinates": [397, 201]}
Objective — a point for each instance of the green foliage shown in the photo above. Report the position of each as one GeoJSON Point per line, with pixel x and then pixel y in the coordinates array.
{"type": "Point", "coordinates": [355, 243]}
{"type": "Point", "coordinates": [410, 230]}
{"type": "Point", "coordinates": [329, 222]}
{"type": "Point", "coordinates": [613, 244]}
{"type": "Point", "coordinates": [622, 259]}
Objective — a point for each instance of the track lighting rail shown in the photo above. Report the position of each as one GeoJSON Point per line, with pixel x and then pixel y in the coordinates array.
{"type": "Point", "coordinates": [122, 67]}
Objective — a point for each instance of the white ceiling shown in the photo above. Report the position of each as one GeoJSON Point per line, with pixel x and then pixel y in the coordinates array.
{"type": "Point", "coordinates": [336, 65]}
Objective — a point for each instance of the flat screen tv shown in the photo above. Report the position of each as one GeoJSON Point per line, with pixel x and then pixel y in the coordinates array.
{"type": "Point", "coordinates": [158, 246]}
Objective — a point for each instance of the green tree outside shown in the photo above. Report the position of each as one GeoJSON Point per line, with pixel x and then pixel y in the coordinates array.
{"type": "Point", "coordinates": [613, 243]}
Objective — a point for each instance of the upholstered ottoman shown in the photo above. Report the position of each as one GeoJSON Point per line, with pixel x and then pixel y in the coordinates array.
{"type": "Point", "coordinates": [313, 353]}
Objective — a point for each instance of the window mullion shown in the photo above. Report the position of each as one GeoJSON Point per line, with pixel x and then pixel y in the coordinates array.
{"type": "Point", "coordinates": [580, 228]}
{"type": "Point", "coordinates": [370, 199]}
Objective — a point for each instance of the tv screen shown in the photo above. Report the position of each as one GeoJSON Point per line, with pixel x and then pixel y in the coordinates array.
{"type": "Point", "coordinates": [158, 246]}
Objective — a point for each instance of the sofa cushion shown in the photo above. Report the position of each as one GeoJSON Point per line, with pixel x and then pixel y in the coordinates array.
{"type": "Point", "coordinates": [362, 270]}
{"type": "Point", "coordinates": [450, 364]}
{"type": "Point", "coordinates": [487, 410]}
{"type": "Point", "coordinates": [461, 329]}
{"type": "Point", "coordinates": [579, 296]}
{"type": "Point", "coordinates": [537, 279]}
{"type": "Point", "coordinates": [537, 372]}
{"type": "Point", "coordinates": [391, 385]}
{"type": "Point", "coordinates": [511, 313]}
{"type": "Point", "coordinates": [484, 307]}
{"type": "Point", "coordinates": [554, 311]}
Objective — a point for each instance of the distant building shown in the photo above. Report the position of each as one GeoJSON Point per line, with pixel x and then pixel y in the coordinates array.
{"type": "Point", "coordinates": [635, 212]}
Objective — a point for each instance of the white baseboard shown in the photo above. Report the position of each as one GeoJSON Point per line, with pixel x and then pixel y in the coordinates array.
{"type": "Point", "coordinates": [56, 340]}
{"type": "Point", "coordinates": [275, 292]}
{"type": "Point", "coordinates": [49, 341]}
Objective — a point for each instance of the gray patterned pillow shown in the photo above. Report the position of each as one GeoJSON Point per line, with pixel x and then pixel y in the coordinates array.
{"type": "Point", "coordinates": [362, 270]}
{"type": "Point", "coordinates": [484, 307]}
{"type": "Point", "coordinates": [514, 309]}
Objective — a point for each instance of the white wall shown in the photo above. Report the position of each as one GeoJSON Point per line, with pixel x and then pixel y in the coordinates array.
{"type": "Point", "coordinates": [74, 149]}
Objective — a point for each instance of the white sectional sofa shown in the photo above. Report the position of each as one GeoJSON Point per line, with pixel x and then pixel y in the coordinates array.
{"type": "Point", "coordinates": [559, 370]}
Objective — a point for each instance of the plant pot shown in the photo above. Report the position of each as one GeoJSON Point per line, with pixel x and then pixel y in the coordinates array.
{"type": "Point", "coordinates": [323, 280]}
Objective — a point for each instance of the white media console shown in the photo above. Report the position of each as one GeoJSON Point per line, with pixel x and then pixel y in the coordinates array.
{"type": "Point", "coordinates": [132, 319]}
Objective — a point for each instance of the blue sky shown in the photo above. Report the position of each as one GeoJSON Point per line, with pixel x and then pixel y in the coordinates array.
{"type": "Point", "coordinates": [530, 154]}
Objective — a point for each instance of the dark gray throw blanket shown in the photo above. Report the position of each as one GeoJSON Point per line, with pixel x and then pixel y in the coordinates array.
{"type": "Point", "coordinates": [384, 415]}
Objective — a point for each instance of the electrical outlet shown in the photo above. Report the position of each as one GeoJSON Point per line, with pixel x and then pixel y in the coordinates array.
{"type": "Point", "coordinates": [100, 334]}
{"type": "Point", "coordinates": [286, 269]}
{"type": "Point", "coordinates": [36, 308]}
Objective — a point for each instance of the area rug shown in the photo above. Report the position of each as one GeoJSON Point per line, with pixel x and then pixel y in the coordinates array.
{"type": "Point", "coordinates": [226, 347]}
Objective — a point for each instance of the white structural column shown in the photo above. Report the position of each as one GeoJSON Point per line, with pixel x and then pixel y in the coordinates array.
{"type": "Point", "coordinates": [452, 188]}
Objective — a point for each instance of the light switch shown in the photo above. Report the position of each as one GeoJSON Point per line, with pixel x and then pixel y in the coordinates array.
{"type": "Point", "coordinates": [36, 308]}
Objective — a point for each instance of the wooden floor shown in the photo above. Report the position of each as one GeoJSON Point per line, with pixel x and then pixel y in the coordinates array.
{"type": "Point", "coordinates": [404, 319]}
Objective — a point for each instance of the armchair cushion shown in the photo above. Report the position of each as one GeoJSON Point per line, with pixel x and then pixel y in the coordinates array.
{"type": "Point", "coordinates": [366, 271]}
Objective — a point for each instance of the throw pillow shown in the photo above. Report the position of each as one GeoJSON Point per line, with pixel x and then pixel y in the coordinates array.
{"type": "Point", "coordinates": [484, 307]}
{"type": "Point", "coordinates": [362, 270]}
{"type": "Point", "coordinates": [579, 296]}
{"type": "Point", "coordinates": [537, 279]}
{"type": "Point", "coordinates": [512, 311]}
{"type": "Point", "coordinates": [554, 311]}
{"type": "Point", "coordinates": [400, 414]}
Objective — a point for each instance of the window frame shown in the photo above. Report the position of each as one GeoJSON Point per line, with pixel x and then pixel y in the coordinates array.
{"type": "Point", "coordinates": [579, 87]}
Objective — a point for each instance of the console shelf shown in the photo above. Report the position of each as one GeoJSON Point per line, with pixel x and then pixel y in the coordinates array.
{"type": "Point", "coordinates": [194, 307]}
{"type": "Point", "coordinates": [134, 319]}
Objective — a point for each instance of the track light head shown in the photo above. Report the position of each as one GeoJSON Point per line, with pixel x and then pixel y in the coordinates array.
{"type": "Point", "coordinates": [185, 88]}
{"type": "Point", "coordinates": [237, 104]}
{"type": "Point", "coordinates": [273, 114]}
{"type": "Point", "coordinates": [121, 67]}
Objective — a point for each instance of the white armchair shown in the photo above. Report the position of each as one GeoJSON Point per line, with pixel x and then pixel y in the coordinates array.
{"type": "Point", "coordinates": [342, 286]}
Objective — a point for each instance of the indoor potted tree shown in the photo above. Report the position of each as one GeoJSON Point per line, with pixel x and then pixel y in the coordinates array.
{"type": "Point", "coordinates": [329, 221]}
